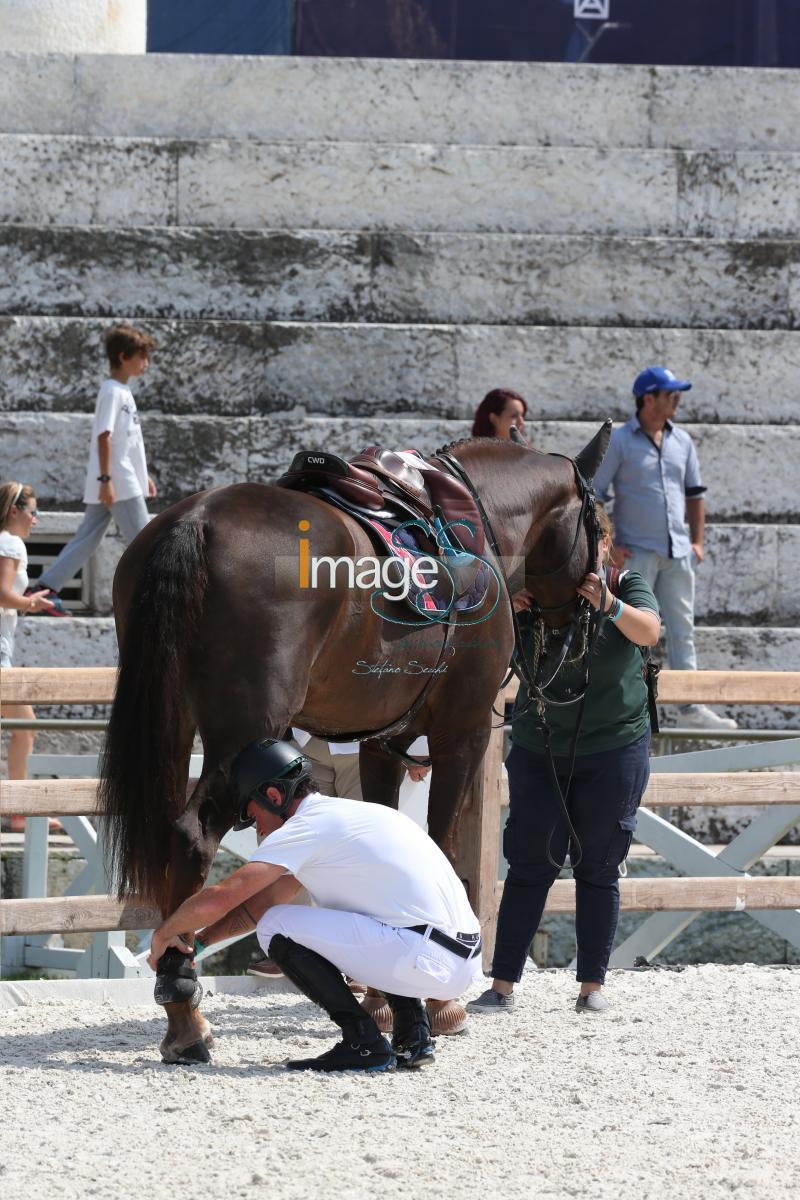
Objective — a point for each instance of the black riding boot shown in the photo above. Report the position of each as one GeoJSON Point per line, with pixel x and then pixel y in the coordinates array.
{"type": "Point", "coordinates": [363, 1047]}
{"type": "Point", "coordinates": [411, 1038]}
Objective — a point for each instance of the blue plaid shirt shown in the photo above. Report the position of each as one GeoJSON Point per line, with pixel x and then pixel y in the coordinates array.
{"type": "Point", "coordinates": [650, 487]}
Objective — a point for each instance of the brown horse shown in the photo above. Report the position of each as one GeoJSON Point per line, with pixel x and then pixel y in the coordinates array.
{"type": "Point", "coordinates": [216, 636]}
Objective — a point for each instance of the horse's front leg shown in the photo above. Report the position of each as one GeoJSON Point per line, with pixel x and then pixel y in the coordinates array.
{"type": "Point", "coordinates": [381, 774]}
{"type": "Point", "coordinates": [195, 838]}
{"type": "Point", "coordinates": [456, 758]}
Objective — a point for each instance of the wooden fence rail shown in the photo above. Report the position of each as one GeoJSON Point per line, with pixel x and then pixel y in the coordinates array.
{"type": "Point", "coordinates": [78, 797]}
{"type": "Point", "coordinates": [58, 685]}
{"type": "Point", "coordinates": [479, 834]}
{"type": "Point", "coordinates": [719, 687]}
{"type": "Point", "coordinates": [92, 914]}
{"type": "Point", "coordinates": [95, 685]}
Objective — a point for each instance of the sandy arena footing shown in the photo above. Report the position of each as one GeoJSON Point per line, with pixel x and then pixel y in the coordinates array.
{"type": "Point", "coordinates": [687, 1087]}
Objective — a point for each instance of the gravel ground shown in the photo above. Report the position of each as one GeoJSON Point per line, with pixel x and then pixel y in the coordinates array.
{"type": "Point", "coordinates": [687, 1088]}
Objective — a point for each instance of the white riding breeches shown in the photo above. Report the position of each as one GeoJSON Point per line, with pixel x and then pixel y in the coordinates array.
{"type": "Point", "coordinates": [393, 960]}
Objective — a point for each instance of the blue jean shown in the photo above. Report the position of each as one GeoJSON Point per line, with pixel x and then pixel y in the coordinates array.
{"type": "Point", "coordinates": [606, 790]}
{"type": "Point", "coordinates": [672, 580]}
{"type": "Point", "coordinates": [131, 516]}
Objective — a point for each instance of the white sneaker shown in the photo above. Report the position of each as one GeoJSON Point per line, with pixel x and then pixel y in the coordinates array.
{"type": "Point", "coordinates": [698, 716]}
{"type": "Point", "coordinates": [593, 1002]}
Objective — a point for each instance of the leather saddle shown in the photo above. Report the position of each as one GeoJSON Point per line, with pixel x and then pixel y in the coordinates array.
{"type": "Point", "coordinates": [380, 483]}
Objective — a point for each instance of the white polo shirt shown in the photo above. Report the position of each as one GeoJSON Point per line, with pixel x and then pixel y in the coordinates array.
{"type": "Point", "coordinates": [368, 859]}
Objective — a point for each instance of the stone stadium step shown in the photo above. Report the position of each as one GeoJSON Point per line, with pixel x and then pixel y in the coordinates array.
{"type": "Point", "coordinates": [750, 470]}
{"type": "Point", "coordinates": [405, 276]}
{"type": "Point", "coordinates": [574, 373]}
{"type": "Point", "coordinates": [227, 183]}
{"type": "Point", "coordinates": [768, 592]}
{"type": "Point", "coordinates": [209, 96]}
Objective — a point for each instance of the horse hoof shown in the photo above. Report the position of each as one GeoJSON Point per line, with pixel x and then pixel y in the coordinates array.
{"type": "Point", "coordinates": [374, 1005]}
{"type": "Point", "coordinates": [197, 1052]}
{"type": "Point", "coordinates": [446, 1017]}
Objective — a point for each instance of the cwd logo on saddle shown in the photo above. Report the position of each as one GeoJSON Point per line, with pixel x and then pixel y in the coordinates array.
{"type": "Point", "coordinates": [433, 586]}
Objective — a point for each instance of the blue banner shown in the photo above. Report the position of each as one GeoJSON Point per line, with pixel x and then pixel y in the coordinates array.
{"type": "Point", "coordinates": [744, 33]}
{"type": "Point", "coordinates": [220, 26]}
{"type": "Point", "coordinates": [680, 32]}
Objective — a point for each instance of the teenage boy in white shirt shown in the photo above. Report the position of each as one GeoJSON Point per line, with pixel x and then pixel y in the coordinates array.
{"type": "Point", "coordinates": [117, 481]}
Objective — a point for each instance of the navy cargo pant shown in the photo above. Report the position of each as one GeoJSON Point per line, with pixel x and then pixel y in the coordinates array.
{"type": "Point", "coordinates": [605, 794]}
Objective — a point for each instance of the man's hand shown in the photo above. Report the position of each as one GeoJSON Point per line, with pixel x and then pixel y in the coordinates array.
{"type": "Point", "coordinates": [152, 490]}
{"type": "Point", "coordinates": [699, 552]}
{"type": "Point", "coordinates": [107, 494]}
{"type": "Point", "coordinates": [160, 943]}
{"type": "Point", "coordinates": [619, 554]}
{"type": "Point", "coordinates": [417, 773]}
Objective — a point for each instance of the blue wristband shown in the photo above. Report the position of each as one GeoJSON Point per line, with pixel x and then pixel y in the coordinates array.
{"type": "Point", "coordinates": [615, 612]}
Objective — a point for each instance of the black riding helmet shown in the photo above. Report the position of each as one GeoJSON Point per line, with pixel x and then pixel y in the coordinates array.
{"type": "Point", "coordinates": [262, 764]}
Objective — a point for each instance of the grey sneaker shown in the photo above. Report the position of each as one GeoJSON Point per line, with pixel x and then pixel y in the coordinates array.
{"type": "Point", "coordinates": [698, 716]}
{"type": "Point", "coordinates": [491, 1001]}
{"type": "Point", "coordinates": [595, 1002]}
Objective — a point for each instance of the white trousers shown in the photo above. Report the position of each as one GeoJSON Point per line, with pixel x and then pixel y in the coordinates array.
{"type": "Point", "coordinates": [392, 960]}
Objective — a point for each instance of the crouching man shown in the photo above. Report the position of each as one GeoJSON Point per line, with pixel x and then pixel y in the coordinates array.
{"type": "Point", "coordinates": [388, 909]}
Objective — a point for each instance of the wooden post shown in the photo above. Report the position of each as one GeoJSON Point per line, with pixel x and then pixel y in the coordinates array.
{"type": "Point", "coordinates": [478, 840]}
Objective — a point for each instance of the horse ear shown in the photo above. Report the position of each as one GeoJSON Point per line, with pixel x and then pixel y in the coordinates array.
{"type": "Point", "coordinates": [593, 454]}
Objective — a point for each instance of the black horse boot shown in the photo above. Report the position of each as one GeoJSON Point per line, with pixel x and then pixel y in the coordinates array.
{"type": "Point", "coordinates": [176, 982]}
{"type": "Point", "coordinates": [411, 1040]}
{"type": "Point", "coordinates": [176, 978]}
{"type": "Point", "coordinates": [363, 1047]}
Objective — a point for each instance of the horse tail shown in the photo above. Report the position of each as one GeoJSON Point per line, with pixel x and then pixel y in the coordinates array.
{"type": "Point", "coordinates": [143, 768]}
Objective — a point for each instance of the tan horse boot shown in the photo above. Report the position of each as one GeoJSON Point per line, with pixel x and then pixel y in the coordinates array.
{"type": "Point", "coordinates": [376, 1006]}
{"type": "Point", "coordinates": [446, 1017]}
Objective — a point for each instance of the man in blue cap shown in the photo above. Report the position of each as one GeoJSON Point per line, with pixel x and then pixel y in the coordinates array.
{"type": "Point", "coordinates": [651, 466]}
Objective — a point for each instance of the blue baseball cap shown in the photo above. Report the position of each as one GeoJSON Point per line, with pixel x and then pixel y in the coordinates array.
{"type": "Point", "coordinates": [658, 379]}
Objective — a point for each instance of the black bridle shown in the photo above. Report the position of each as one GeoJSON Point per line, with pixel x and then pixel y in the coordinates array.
{"type": "Point", "coordinates": [587, 519]}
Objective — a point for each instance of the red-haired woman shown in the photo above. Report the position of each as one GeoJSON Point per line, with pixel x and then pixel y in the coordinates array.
{"type": "Point", "coordinates": [498, 412]}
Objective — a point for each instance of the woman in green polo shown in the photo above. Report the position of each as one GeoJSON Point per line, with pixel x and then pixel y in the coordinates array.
{"type": "Point", "coordinates": [610, 775]}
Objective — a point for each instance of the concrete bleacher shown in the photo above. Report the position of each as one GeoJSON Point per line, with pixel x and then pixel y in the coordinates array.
{"type": "Point", "coordinates": [339, 251]}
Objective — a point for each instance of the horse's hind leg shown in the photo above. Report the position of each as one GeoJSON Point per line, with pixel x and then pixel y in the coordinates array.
{"type": "Point", "coordinates": [195, 838]}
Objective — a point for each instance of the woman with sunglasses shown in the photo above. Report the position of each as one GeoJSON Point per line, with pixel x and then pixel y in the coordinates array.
{"type": "Point", "coordinates": [17, 519]}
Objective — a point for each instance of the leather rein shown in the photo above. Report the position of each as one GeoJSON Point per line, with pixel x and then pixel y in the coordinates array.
{"type": "Point", "coordinates": [520, 666]}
